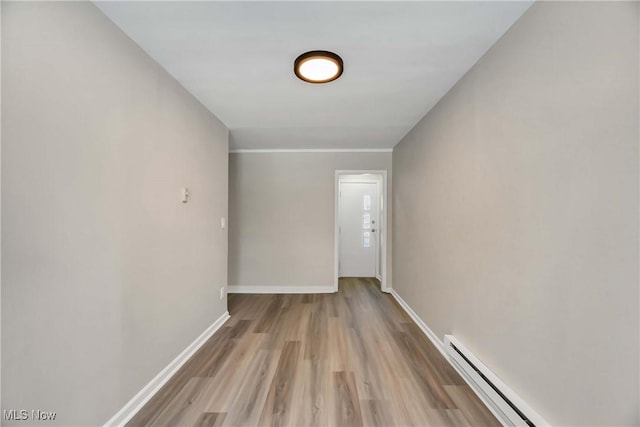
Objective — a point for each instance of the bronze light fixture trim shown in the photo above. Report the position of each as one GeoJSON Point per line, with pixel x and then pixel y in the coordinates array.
{"type": "Point", "coordinates": [318, 66]}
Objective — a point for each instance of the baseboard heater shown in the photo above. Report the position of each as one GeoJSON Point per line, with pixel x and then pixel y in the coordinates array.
{"type": "Point", "coordinates": [503, 402]}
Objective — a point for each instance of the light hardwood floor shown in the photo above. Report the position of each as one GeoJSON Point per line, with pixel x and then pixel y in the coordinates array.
{"type": "Point", "coordinates": [353, 358]}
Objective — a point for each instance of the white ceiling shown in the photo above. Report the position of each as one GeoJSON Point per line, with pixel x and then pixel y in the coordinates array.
{"type": "Point", "coordinates": [237, 59]}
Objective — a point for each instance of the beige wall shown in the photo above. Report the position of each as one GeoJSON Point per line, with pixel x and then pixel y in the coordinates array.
{"type": "Point", "coordinates": [106, 275]}
{"type": "Point", "coordinates": [516, 212]}
{"type": "Point", "coordinates": [281, 210]}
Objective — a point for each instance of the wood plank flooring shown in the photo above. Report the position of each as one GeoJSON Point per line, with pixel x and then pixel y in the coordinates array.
{"type": "Point", "coordinates": [353, 358]}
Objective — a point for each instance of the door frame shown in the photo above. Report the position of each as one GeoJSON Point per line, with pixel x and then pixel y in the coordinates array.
{"type": "Point", "coordinates": [382, 242]}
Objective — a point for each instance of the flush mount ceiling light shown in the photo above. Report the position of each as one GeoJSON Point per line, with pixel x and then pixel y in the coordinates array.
{"type": "Point", "coordinates": [318, 66]}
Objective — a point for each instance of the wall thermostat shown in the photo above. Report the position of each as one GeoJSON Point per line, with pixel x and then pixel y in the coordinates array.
{"type": "Point", "coordinates": [185, 194]}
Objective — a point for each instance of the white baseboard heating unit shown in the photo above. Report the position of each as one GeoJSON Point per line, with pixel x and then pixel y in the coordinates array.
{"type": "Point", "coordinates": [503, 402]}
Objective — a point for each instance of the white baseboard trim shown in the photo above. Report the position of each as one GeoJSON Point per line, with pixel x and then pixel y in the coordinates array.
{"type": "Point", "coordinates": [280, 289]}
{"type": "Point", "coordinates": [491, 405]}
{"type": "Point", "coordinates": [136, 403]}
{"type": "Point", "coordinates": [440, 346]}
{"type": "Point", "coordinates": [503, 410]}
{"type": "Point", "coordinates": [423, 326]}
{"type": "Point", "coordinates": [311, 150]}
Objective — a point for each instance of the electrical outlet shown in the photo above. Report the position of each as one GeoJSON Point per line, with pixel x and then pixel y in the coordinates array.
{"type": "Point", "coordinates": [222, 292]}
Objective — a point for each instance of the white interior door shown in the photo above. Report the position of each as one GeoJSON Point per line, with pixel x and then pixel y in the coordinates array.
{"type": "Point", "coordinates": [358, 229]}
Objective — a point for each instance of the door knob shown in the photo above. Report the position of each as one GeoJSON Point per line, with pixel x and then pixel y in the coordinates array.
{"type": "Point", "coordinates": [373, 230]}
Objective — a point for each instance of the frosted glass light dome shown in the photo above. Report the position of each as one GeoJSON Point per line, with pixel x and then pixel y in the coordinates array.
{"type": "Point", "coordinates": [318, 66]}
